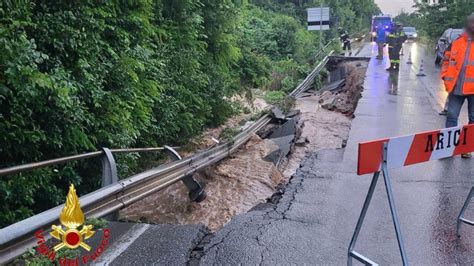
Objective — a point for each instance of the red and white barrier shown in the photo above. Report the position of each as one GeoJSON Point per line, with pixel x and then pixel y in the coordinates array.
{"type": "Point", "coordinates": [378, 156]}
{"type": "Point", "coordinates": [413, 149]}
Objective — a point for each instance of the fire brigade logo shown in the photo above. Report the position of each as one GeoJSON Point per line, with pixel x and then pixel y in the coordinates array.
{"type": "Point", "coordinates": [72, 218]}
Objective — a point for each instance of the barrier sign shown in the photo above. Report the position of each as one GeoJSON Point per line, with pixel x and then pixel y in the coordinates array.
{"type": "Point", "coordinates": [318, 18]}
{"type": "Point", "coordinates": [418, 148]}
{"type": "Point", "coordinates": [379, 156]}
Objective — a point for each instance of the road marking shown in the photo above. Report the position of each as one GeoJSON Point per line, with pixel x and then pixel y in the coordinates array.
{"type": "Point", "coordinates": [119, 246]}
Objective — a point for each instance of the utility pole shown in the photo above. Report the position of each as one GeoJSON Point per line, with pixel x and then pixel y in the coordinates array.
{"type": "Point", "coordinates": [321, 28]}
{"type": "Point", "coordinates": [319, 19]}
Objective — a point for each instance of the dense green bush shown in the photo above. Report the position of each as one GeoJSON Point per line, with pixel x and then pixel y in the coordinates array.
{"type": "Point", "coordinates": [79, 75]}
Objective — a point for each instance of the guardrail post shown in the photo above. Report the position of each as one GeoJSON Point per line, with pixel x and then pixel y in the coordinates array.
{"type": "Point", "coordinates": [109, 168]}
{"type": "Point", "coordinates": [109, 176]}
{"type": "Point", "coordinates": [196, 190]}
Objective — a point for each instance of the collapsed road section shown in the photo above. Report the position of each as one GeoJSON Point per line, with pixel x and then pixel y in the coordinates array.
{"type": "Point", "coordinates": [255, 178]}
{"type": "Point", "coordinates": [319, 119]}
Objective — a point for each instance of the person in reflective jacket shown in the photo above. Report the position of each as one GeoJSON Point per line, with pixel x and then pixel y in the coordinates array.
{"type": "Point", "coordinates": [395, 41]}
{"type": "Point", "coordinates": [457, 73]}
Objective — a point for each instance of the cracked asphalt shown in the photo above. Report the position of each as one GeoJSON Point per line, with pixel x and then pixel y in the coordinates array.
{"type": "Point", "coordinates": [313, 221]}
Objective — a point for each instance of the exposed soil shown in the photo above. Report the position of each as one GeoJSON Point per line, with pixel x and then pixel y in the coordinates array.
{"type": "Point", "coordinates": [326, 117]}
{"type": "Point", "coordinates": [208, 138]}
{"type": "Point", "coordinates": [345, 100]}
{"type": "Point", "coordinates": [245, 179]}
{"type": "Point", "coordinates": [322, 129]}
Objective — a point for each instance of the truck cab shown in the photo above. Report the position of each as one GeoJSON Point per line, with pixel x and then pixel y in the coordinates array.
{"type": "Point", "coordinates": [380, 21]}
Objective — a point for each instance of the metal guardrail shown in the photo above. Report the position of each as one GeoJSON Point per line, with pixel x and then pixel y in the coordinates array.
{"type": "Point", "coordinates": [359, 36]}
{"type": "Point", "coordinates": [15, 239]}
{"type": "Point", "coordinates": [32, 166]}
{"type": "Point", "coordinates": [308, 81]}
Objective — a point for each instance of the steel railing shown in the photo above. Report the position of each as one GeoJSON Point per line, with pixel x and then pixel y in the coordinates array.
{"type": "Point", "coordinates": [15, 239]}
{"type": "Point", "coordinates": [357, 37]}
{"type": "Point", "coordinates": [32, 166]}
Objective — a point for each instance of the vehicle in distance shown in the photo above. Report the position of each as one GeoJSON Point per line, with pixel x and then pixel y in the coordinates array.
{"type": "Point", "coordinates": [444, 42]}
{"type": "Point", "coordinates": [410, 32]}
{"type": "Point", "coordinates": [380, 21]}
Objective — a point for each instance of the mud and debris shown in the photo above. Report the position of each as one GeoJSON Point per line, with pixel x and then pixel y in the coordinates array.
{"type": "Point", "coordinates": [326, 116]}
{"type": "Point", "coordinates": [344, 99]}
{"type": "Point", "coordinates": [253, 105]}
{"type": "Point", "coordinates": [233, 186]}
{"type": "Point", "coordinates": [261, 168]}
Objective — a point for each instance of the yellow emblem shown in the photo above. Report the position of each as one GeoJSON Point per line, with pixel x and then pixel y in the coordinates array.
{"type": "Point", "coordinates": [72, 218]}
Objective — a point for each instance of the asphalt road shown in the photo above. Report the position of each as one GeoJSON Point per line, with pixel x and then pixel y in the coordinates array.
{"type": "Point", "coordinates": [314, 220]}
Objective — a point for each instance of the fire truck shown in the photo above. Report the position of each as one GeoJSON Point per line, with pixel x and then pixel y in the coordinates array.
{"type": "Point", "coordinates": [380, 21]}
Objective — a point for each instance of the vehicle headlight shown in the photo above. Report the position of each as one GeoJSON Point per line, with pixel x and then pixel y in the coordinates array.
{"type": "Point", "coordinates": [415, 35]}
{"type": "Point", "coordinates": [374, 34]}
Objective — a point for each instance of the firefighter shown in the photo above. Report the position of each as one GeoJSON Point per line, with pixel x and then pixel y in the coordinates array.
{"type": "Point", "coordinates": [346, 41]}
{"type": "Point", "coordinates": [395, 41]}
{"type": "Point", "coordinates": [458, 76]}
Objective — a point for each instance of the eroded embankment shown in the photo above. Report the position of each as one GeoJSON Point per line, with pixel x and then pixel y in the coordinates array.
{"type": "Point", "coordinates": [245, 179]}
{"type": "Point", "coordinates": [326, 116]}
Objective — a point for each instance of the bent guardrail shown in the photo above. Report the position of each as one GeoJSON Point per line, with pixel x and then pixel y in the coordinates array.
{"type": "Point", "coordinates": [15, 239]}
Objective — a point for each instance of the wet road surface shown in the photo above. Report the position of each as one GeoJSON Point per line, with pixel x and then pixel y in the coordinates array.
{"type": "Point", "coordinates": [313, 221]}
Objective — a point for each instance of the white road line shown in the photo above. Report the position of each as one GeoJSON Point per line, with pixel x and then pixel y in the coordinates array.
{"type": "Point", "coordinates": [121, 244]}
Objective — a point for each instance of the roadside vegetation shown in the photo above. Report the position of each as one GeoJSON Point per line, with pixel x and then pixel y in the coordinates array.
{"type": "Point", "coordinates": [432, 20]}
{"type": "Point", "coordinates": [79, 75]}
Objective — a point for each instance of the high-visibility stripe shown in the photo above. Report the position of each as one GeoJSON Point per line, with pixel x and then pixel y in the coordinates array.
{"type": "Point", "coordinates": [399, 148]}
{"type": "Point", "coordinates": [465, 140]}
{"type": "Point", "coordinates": [469, 80]}
{"type": "Point", "coordinates": [370, 156]}
{"type": "Point", "coordinates": [417, 148]}
{"type": "Point", "coordinates": [419, 152]}
{"type": "Point", "coordinates": [452, 63]}
{"type": "Point", "coordinates": [448, 78]}
{"type": "Point", "coordinates": [444, 141]}
{"type": "Point", "coordinates": [470, 63]}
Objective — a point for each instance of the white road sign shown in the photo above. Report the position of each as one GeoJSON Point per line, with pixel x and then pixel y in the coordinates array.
{"type": "Point", "coordinates": [318, 18]}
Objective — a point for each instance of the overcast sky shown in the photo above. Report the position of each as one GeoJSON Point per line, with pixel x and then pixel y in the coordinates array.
{"type": "Point", "coordinates": [393, 7]}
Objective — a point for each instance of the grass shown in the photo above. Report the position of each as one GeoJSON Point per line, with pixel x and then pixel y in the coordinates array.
{"type": "Point", "coordinates": [280, 99]}
{"type": "Point", "coordinates": [32, 258]}
{"type": "Point", "coordinates": [228, 134]}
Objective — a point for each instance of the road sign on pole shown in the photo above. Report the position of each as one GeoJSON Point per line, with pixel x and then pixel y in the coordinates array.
{"type": "Point", "coordinates": [318, 18]}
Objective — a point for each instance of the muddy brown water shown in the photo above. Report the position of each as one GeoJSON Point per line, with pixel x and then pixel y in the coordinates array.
{"type": "Point", "coordinates": [238, 183]}
{"type": "Point", "coordinates": [233, 186]}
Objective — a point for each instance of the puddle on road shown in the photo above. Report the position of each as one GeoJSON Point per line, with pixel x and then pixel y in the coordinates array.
{"type": "Point", "coordinates": [239, 183]}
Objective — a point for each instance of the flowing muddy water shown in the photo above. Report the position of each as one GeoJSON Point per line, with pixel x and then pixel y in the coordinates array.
{"type": "Point", "coordinates": [232, 186]}
{"type": "Point", "coordinates": [242, 181]}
